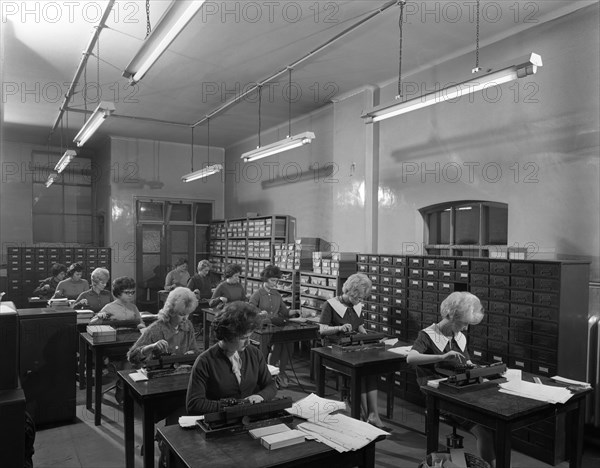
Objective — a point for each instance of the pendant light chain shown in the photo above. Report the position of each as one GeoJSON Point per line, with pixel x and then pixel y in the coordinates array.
{"type": "Point", "coordinates": [476, 69]}
{"type": "Point", "coordinates": [98, 68]}
{"type": "Point", "coordinates": [208, 141]}
{"type": "Point", "coordinates": [148, 27]}
{"type": "Point", "coordinates": [400, 26]}
{"type": "Point", "coordinates": [259, 109]}
{"type": "Point", "coordinates": [192, 157]}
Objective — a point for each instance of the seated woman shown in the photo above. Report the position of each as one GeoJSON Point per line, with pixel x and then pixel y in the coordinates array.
{"type": "Point", "coordinates": [73, 285]}
{"type": "Point", "coordinates": [47, 287]}
{"type": "Point", "coordinates": [230, 368]}
{"type": "Point", "coordinates": [229, 290]}
{"type": "Point", "coordinates": [123, 308]}
{"type": "Point", "coordinates": [445, 342]}
{"type": "Point", "coordinates": [96, 297]}
{"type": "Point", "coordinates": [270, 303]}
{"type": "Point", "coordinates": [342, 314]}
{"type": "Point", "coordinates": [200, 283]}
{"type": "Point", "coordinates": [171, 333]}
{"type": "Point", "coordinates": [178, 276]}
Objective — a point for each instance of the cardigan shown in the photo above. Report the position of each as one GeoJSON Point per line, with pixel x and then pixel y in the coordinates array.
{"type": "Point", "coordinates": [212, 378]}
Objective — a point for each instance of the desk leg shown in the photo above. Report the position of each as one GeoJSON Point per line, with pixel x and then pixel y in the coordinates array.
{"type": "Point", "coordinates": [320, 367]}
{"type": "Point", "coordinates": [368, 456]}
{"type": "Point", "coordinates": [205, 331]}
{"type": "Point", "coordinates": [128, 423]}
{"type": "Point", "coordinates": [264, 346]}
{"type": "Point", "coordinates": [575, 421]}
{"type": "Point", "coordinates": [502, 444]}
{"type": "Point", "coordinates": [432, 424]}
{"type": "Point", "coordinates": [355, 391]}
{"type": "Point", "coordinates": [89, 379]}
{"type": "Point", "coordinates": [98, 362]}
{"type": "Point", "coordinates": [148, 435]}
{"type": "Point", "coordinates": [390, 396]}
{"type": "Point", "coordinates": [81, 363]}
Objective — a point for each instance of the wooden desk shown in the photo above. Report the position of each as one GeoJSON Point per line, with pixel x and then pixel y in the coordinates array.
{"type": "Point", "coordinates": [358, 365]}
{"type": "Point", "coordinates": [187, 447]}
{"type": "Point", "coordinates": [152, 395]}
{"type": "Point", "coordinates": [504, 413]}
{"type": "Point", "coordinates": [94, 358]}
{"type": "Point", "coordinates": [288, 333]}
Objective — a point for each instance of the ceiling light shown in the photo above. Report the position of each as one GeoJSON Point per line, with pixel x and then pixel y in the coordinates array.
{"type": "Point", "coordinates": [104, 109]}
{"type": "Point", "coordinates": [279, 146]}
{"type": "Point", "coordinates": [207, 171]}
{"type": "Point", "coordinates": [521, 68]}
{"type": "Point", "coordinates": [65, 160]}
{"type": "Point", "coordinates": [51, 179]}
{"type": "Point", "coordinates": [168, 28]}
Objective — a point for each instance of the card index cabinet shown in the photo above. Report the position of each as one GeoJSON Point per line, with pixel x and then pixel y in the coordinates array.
{"type": "Point", "coordinates": [28, 266]}
{"type": "Point", "coordinates": [316, 288]}
{"type": "Point", "coordinates": [288, 287]}
{"type": "Point", "coordinates": [248, 242]}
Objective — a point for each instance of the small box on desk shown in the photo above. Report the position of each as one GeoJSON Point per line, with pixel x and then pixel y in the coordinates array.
{"type": "Point", "coordinates": [102, 333]}
{"type": "Point", "coordinates": [282, 439]}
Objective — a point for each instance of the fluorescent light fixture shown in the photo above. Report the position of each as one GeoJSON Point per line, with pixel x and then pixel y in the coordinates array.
{"type": "Point", "coordinates": [207, 171]}
{"type": "Point", "coordinates": [104, 109]}
{"type": "Point", "coordinates": [168, 28]}
{"type": "Point", "coordinates": [521, 68]}
{"type": "Point", "coordinates": [279, 146]}
{"type": "Point", "coordinates": [51, 179]}
{"type": "Point", "coordinates": [65, 160]}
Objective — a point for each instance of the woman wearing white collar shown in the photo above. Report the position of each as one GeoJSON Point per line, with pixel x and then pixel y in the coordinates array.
{"type": "Point", "coordinates": [444, 342]}
{"type": "Point", "coordinates": [343, 314]}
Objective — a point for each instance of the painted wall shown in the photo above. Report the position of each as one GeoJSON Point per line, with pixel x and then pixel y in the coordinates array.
{"type": "Point", "coordinates": [144, 168]}
{"type": "Point", "coordinates": [533, 144]}
{"type": "Point", "coordinates": [286, 183]}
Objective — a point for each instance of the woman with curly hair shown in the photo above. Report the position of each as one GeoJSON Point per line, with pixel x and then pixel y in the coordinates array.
{"type": "Point", "coordinates": [171, 333]}
{"type": "Point", "coordinates": [229, 290]}
{"type": "Point", "coordinates": [230, 368]}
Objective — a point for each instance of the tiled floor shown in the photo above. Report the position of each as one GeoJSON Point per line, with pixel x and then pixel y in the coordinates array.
{"type": "Point", "coordinates": [84, 445]}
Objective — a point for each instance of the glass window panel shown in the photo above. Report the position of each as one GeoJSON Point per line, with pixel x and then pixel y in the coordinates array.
{"type": "Point", "coordinates": [43, 158]}
{"type": "Point", "coordinates": [78, 199]}
{"type": "Point", "coordinates": [152, 276]}
{"type": "Point", "coordinates": [50, 200]}
{"type": "Point", "coordinates": [48, 228]}
{"type": "Point", "coordinates": [150, 241]}
{"type": "Point", "coordinates": [180, 212]}
{"type": "Point", "coordinates": [439, 227]}
{"type": "Point", "coordinates": [498, 225]}
{"type": "Point", "coordinates": [466, 225]}
{"type": "Point", "coordinates": [150, 211]}
{"type": "Point", "coordinates": [78, 229]}
{"type": "Point", "coordinates": [202, 240]}
{"type": "Point", "coordinates": [179, 242]}
{"type": "Point", "coordinates": [41, 173]}
{"type": "Point", "coordinates": [203, 213]}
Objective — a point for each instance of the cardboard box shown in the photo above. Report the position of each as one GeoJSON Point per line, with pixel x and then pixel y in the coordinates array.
{"type": "Point", "coordinates": [102, 333]}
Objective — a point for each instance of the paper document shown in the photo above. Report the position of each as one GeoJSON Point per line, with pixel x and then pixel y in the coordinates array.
{"type": "Point", "coordinates": [315, 408]}
{"type": "Point", "coordinates": [189, 421]}
{"type": "Point", "coordinates": [401, 350]}
{"type": "Point", "coordinates": [390, 341]}
{"type": "Point", "coordinates": [273, 370]}
{"type": "Point", "coordinates": [536, 391]}
{"type": "Point", "coordinates": [564, 380]}
{"type": "Point", "coordinates": [138, 376]}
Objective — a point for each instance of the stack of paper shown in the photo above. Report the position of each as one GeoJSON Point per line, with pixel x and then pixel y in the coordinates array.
{"type": "Point", "coordinates": [282, 439]}
{"type": "Point", "coordinates": [341, 432]}
{"type": "Point", "coordinates": [315, 408]}
{"type": "Point", "coordinates": [273, 370]}
{"type": "Point", "coordinates": [536, 391]}
{"type": "Point", "coordinates": [576, 383]}
{"type": "Point", "coordinates": [268, 430]}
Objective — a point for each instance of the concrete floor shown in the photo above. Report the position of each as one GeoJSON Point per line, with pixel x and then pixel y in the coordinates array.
{"type": "Point", "coordinates": [84, 445]}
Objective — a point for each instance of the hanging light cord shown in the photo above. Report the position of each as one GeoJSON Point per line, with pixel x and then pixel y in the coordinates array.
{"type": "Point", "coordinates": [290, 103]}
{"type": "Point", "coordinates": [192, 150]}
{"type": "Point", "coordinates": [98, 69]}
{"type": "Point", "coordinates": [259, 109]}
{"type": "Point", "coordinates": [400, 24]}
{"type": "Point", "coordinates": [208, 141]}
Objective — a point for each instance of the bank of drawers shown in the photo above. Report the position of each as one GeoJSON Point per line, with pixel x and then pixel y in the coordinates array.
{"type": "Point", "coordinates": [27, 266]}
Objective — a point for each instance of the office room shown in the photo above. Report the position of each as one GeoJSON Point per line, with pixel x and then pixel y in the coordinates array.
{"type": "Point", "coordinates": [395, 174]}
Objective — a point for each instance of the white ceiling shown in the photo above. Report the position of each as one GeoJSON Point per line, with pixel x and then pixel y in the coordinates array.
{"type": "Point", "coordinates": [228, 46]}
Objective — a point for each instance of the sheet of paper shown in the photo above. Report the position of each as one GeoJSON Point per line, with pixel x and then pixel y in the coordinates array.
{"type": "Point", "coordinates": [391, 341]}
{"type": "Point", "coordinates": [315, 408]}
{"type": "Point", "coordinates": [564, 380]}
{"type": "Point", "coordinates": [401, 350]}
{"type": "Point", "coordinates": [537, 391]}
{"type": "Point", "coordinates": [273, 370]}
{"type": "Point", "coordinates": [189, 421]}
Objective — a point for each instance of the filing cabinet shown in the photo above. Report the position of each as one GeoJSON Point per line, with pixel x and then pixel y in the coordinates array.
{"type": "Point", "coordinates": [28, 266]}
